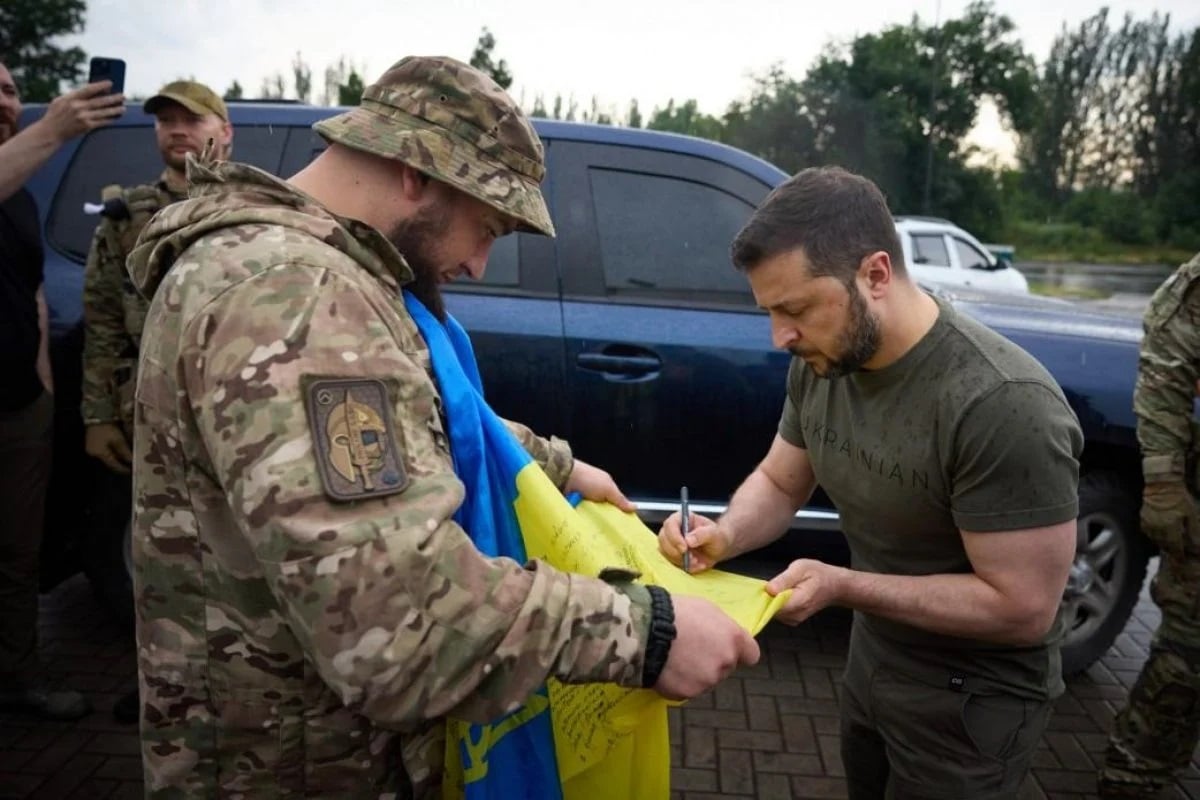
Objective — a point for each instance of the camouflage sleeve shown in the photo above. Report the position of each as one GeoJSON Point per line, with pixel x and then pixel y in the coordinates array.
{"type": "Point", "coordinates": [399, 612]}
{"type": "Point", "coordinates": [553, 455]}
{"type": "Point", "coordinates": [106, 344]}
{"type": "Point", "coordinates": [1167, 371]}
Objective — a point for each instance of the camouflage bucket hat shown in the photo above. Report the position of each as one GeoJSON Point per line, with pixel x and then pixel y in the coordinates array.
{"type": "Point", "coordinates": [456, 125]}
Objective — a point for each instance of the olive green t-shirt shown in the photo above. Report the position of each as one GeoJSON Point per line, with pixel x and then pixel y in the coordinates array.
{"type": "Point", "coordinates": [965, 431]}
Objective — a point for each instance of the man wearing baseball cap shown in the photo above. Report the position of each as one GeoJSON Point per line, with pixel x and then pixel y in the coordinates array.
{"type": "Point", "coordinates": [187, 115]}
{"type": "Point", "coordinates": [309, 610]}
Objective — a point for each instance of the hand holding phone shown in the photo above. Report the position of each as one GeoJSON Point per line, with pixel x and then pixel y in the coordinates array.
{"type": "Point", "coordinates": [89, 106]}
{"type": "Point", "coordinates": [107, 69]}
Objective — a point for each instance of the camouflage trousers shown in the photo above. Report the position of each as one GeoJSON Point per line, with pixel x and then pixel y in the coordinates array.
{"type": "Point", "coordinates": [1156, 733]}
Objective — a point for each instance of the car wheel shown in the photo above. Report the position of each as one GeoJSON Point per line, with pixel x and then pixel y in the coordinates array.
{"type": "Point", "coordinates": [1108, 571]}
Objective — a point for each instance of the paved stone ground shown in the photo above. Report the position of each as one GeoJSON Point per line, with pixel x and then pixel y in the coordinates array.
{"type": "Point", "coordinates": [768, 732]}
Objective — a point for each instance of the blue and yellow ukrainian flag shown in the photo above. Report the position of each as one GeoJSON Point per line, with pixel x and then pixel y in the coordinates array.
{"type": "Point", "coordinates": [589, 742]}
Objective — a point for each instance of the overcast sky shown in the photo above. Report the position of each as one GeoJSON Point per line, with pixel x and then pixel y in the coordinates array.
{"type": "Point", "coordinates": [615, 49]}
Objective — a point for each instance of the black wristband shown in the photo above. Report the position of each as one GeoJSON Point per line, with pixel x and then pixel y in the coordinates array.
{"type": "Point", "coordinates": [662, 633]}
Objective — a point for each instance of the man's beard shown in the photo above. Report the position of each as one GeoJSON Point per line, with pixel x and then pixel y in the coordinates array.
{"type": "Point", "coordinates": [416, 239]}
{"type": "Point", "coordinates": [857, 344]}
{"type": "Point", "coordinates": [8, 128]}
{"type": "Point", "coordinates": [176, 162]}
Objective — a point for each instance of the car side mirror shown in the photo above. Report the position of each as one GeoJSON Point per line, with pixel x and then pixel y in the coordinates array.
{"type": "Point", "coordinates": [1001, 263]}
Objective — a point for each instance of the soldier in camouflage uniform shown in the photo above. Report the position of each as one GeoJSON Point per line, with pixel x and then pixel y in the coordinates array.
{"type": "Point", "coordinates": [308, 611]}
{"type": "Point", "coordinates": [187, 114]}
{"type": "Point", "coordinates": [1156, 733]}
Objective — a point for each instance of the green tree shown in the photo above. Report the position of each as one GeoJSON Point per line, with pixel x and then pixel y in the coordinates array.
{"type": "Point", "coordinates": [343, 84]}
{"type": "Point", "coordinates": [539, 107]}
{"type": "Point", "coordinates": [234, 92]}
{"type": "Point", "coordinates": [1096, 97]}
{"type": "Point", "coordinates": [272, 87]}
{"type": "Point", "coordinates": [685, 118]}
{"type": "Point", "coordinates": [896, 105]}
{"type": "Point", "coordinates": [634, 118]}
{"type": "Point", "coordinates": [28, 29]}
{"type": "Point", "coordinates": [1171, 89]}
{"type": "Point", "coordinates": [301, 78]}
{"type": "Point", "coordinates": [598, 115]}
{"type": "Point", "coordinates": [772, 122]}
{"type": "Point", "coordinates": [350, 93]}
{"type": "Point", "coordinates": [483, 61]}
{"type": "Point", "coordinates": [1051, 152]}
{"type": "Point", "coordinates": [565, 110]}
{"type": "Point", "coordinates": [1116, 144]}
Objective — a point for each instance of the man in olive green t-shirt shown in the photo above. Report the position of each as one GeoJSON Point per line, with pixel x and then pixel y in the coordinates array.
{"type": "Point", "coordinates": [952, 457]}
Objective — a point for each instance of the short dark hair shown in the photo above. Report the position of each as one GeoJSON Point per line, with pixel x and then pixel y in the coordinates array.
{"type": "Point", "coordinates": [837, 217]}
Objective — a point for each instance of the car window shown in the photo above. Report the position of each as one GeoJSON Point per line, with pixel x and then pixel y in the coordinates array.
{"type": "Point", "coordinates": [661, 235]}
{"type": "Point", "coordinates": [969, 256]}
{"type": "Point", "coordinates": [127, 155]}
{"type": "Point", "coordinates": [930, 250]}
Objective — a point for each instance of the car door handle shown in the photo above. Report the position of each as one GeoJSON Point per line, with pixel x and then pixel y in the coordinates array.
{"type": "Point", "coordinates": [619, 365]}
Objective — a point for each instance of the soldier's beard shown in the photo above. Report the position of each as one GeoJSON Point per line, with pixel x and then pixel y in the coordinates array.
{"type": "Point", "coordinates": [417, 240]}
{"type": "Point", "coordinates": [8, 128]}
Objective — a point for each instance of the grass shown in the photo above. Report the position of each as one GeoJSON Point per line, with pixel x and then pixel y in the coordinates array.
{"type": "Point", "coordinates": [1150, 255]}
{"type": "Point", "coordinates": [1068, 292]}
{"type": "Point", "coordinates": [1071, 242]}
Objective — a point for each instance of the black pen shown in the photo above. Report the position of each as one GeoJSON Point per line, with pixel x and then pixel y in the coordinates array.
{"type": "Point", "coordinates": [683, 512]}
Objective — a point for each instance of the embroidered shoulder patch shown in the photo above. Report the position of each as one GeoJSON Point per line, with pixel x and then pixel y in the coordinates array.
{"type": "Point", "coordinates": [354, 437]}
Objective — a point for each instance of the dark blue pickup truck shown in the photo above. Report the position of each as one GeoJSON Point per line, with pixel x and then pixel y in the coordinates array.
{"type": "Point", "coordinates": [630, 334]}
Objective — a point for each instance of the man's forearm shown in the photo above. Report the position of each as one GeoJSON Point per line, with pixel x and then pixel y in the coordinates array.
{"type": "Point", "coordinates": [43, 356]}
{"type": "Point", "coordinates": [955, 605]}
{"type": "Point", "coordinates": [760, 512]}
{"type": "Point", "coordinates": [21, 156]}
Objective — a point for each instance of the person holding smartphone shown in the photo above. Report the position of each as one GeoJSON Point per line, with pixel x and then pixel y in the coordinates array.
{"type": "Point", "coordinates": [187, 115]}
{"type": "Point", "coordinates": [26, 401]}
{"type": "Point", "coordinates": [67, 116]}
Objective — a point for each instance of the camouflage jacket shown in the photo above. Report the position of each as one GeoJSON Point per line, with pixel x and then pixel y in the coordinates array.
{"type": "Point", "coordinates": [1168, 367]}
{"type": "Point", "coordinates": [291, 644]}
{"type": "Point", "coordinates": [113, 312]}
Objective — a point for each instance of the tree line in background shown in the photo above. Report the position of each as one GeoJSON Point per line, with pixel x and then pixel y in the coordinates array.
{"type": "Point", "coordinates": [1108, 127]}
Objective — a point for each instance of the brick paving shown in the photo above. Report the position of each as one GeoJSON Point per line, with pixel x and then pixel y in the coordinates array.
{"type": "Point", "coordinates": [769, 732]}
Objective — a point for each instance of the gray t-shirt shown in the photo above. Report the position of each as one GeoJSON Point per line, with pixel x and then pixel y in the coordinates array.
{"type": "Point", "coordinates": [965, 431]}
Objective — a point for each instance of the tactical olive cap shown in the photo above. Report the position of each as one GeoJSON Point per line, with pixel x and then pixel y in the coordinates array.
{"type": "Point", "coordinates": [195, 97]}
{"type": "Point", "coordinates": [456, 125]}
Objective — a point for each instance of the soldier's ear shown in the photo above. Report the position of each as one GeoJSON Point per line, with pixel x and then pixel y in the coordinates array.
{"type": "Point", "coordinates": [414, 184]}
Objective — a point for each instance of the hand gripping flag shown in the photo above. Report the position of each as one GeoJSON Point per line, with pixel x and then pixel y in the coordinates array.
{"type": "Point", "coordinates": [588, 742]}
